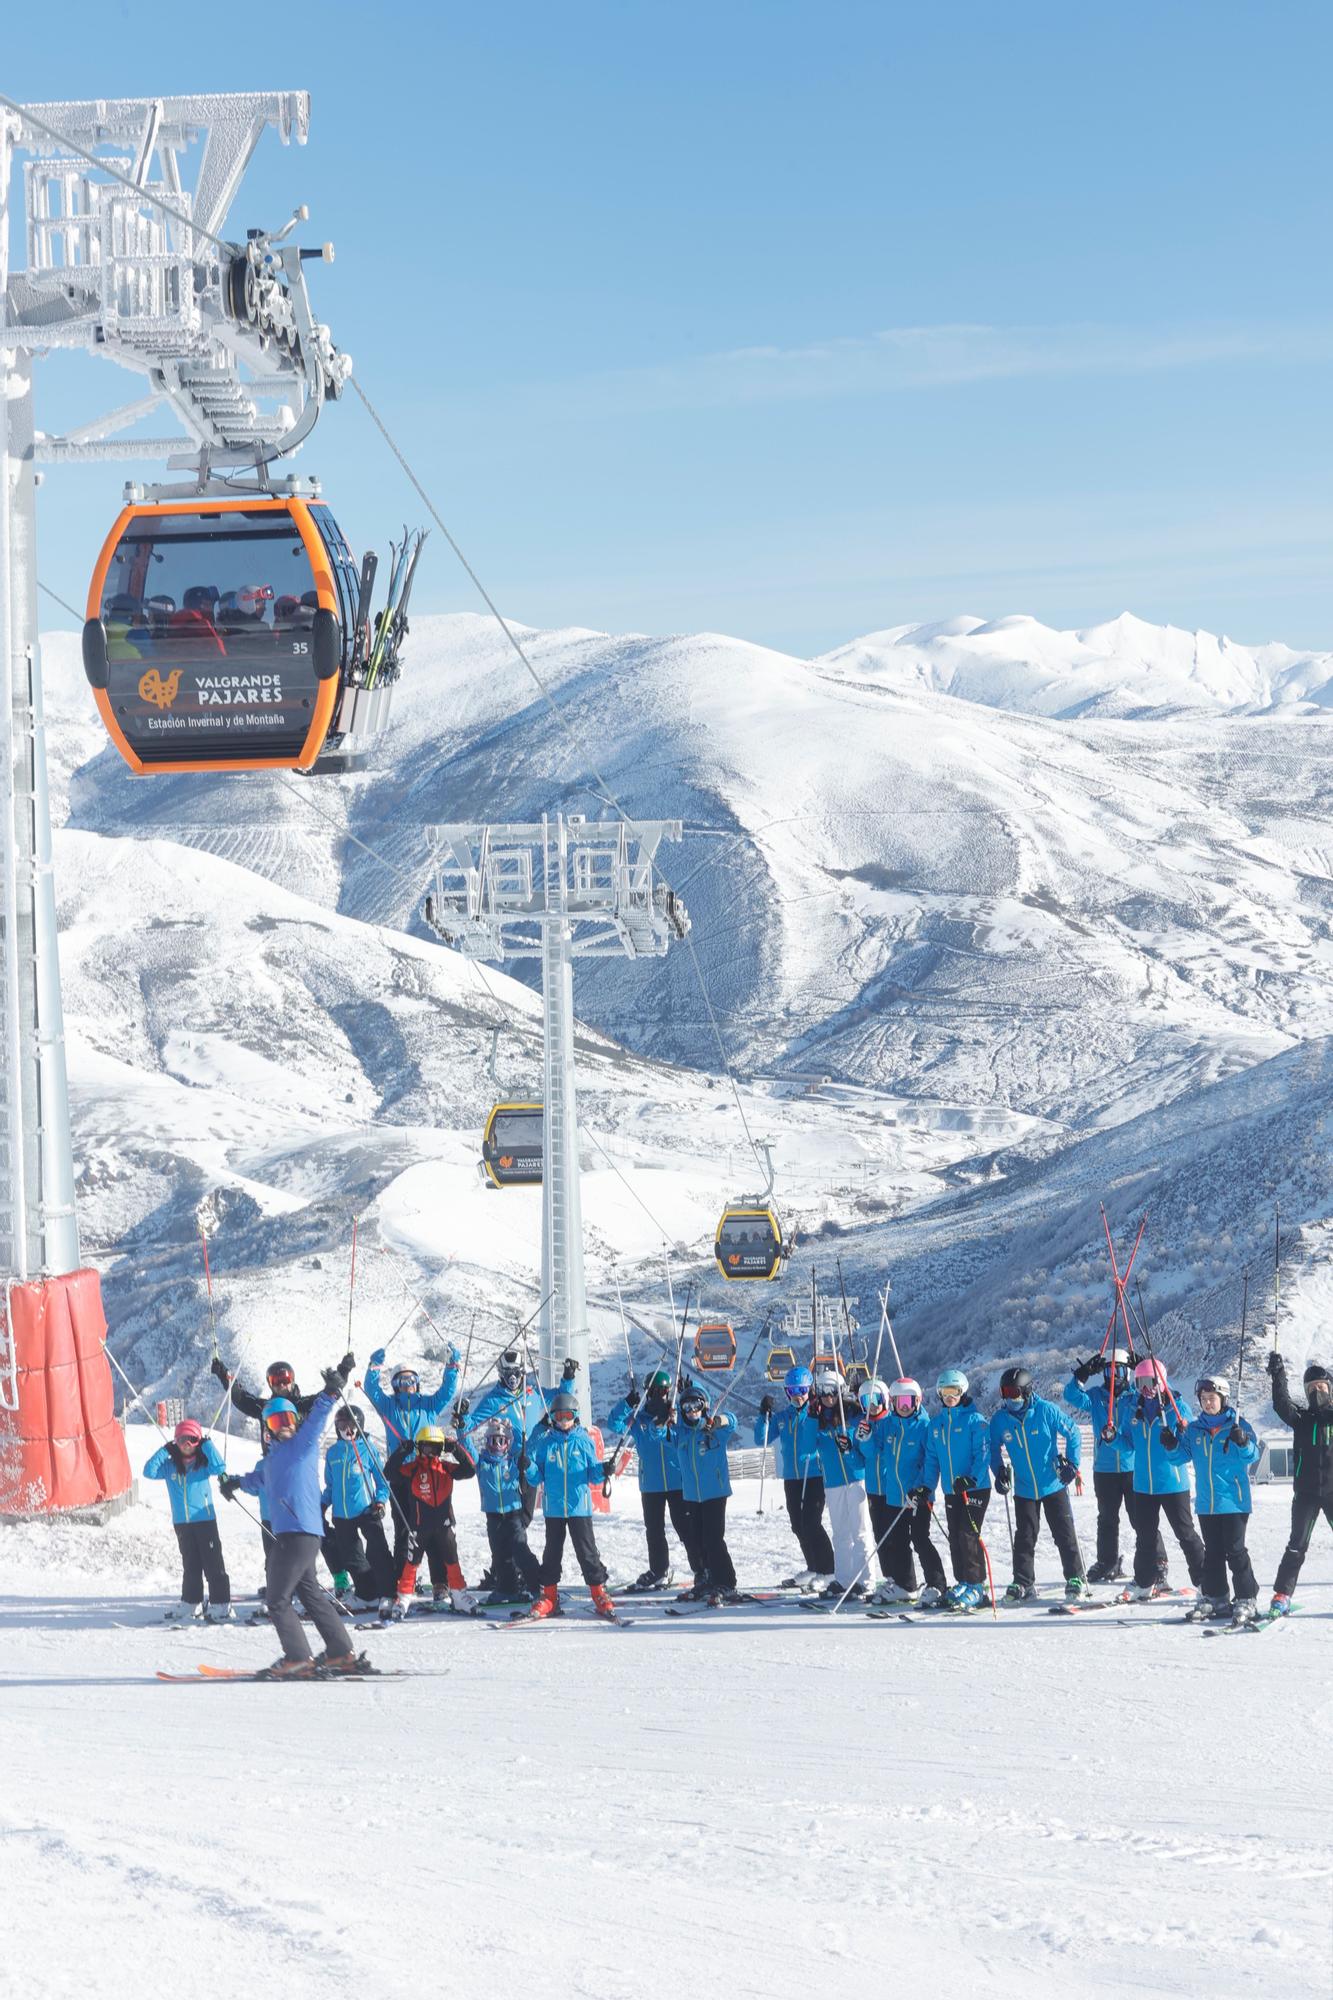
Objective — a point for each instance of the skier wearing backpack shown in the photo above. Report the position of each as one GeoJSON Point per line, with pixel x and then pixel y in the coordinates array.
{"type": "Point", "coordinates": [1028, 1428]}
{"type": "Point", "coordinates": [1161, 1486]}
{"type": "Point", "coordinates": [958, 1459]}
{"type": "Point", "coordinates": [562, 1458]}
{"type": "Point", "coordinates": [1220, 1448]}
{"type": "Point", "coordinates": [646, 1423]}
{"type": "Point", "coordinates": [427, 1469]}
{"type": "Point", "coordinates": [793, 1430]}
{"type": "Point", "coordinates": [1092, 1388]}
{"type": "Point", "coordinates": [893, 1437]}
{"type": "Point", "coordinates": [1311, 1425]}
{"type": "Point", "coordinates": [188, 1465]}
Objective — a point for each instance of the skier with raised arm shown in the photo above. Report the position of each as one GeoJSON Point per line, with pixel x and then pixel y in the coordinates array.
{"type": "Point", "coordinates": [513, 1400]}
{"type": "Point", "coordinates": [700, 1442]}
{"type": "Point", "coordinates": [958, 1459]}
{"type": "Point", "coordinates": [497, 1450]}
{"type": "Point", "coordinates": [793, 1430]}
{"type": "Point", "coordinates": [427, 1469]}
{"type": "Point", "coordinates": [1161, 1486]}
{"type": "Point", "coordinates": [355, 1493]}
{"type": "Point", "coordinates": [1311, 1425]}
{"type": "Point", "coordinates": [646, 1423]}
{"type": "Point", "coordinates": [563, 1460]}
{"type": "Point", "coordinates": [188, 1465]}
{"type": "Point", "coordinates": [1094, 1387]}
{"type": "Point", "coordinates": [1028, 1429]}
{"type": "Point", "coordinates": [405, 1410]}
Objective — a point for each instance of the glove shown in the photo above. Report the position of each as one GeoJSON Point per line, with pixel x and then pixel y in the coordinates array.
{"type": "Point", "coordinates": [377, 1357]}
{"type": "Point", "coordinates": [345, 1367]}
{"type": "Point", "coordinates": [1236, 1435]}
{"type": "Point", "coordinates": [454, 1356]}
{"type": "Point", "coordinates": [1170, 1438]}
{"type": "Point", "coordinates": [841, 1439]}
{"type": "Point", "coordinates": [766, 1406]}
{"type": "Point", "coordinates": [1087, 1369]}
{"type": "Point", "coordinates": [1004, 1479]}
{"type": "Point", "coordinates": [862, 1432]}
{"type": "Point", "coordinates": [1274, 1364]}
{"type": "Point", "coordinates": [376, 1510]}
{"type": "Point", "coordinates": [219, 1368]}
{"type": "Point", "coordinates": [1109, 1433]}
{"type": "Point", "coordinates": [333, 1383]}
{"type": "Point", "coordinates": [921, 1495]}
{"type": "Point", "coordinates": [608, 1471]}
{"type": "Point", "coordinates": [461, 1408]}
{"type": "Point", "coordinates": [963, 1484]}
{"type": "Point", "coordinates": [229, 1486]}
{"type": "Point", "coordinates": [632, 1398]}
{"type": "Point", "coordinates": [1067, 1471]}
{"type": "Point", "coordinates": [570, 1370]}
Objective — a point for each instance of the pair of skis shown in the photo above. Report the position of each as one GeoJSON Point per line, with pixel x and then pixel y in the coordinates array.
{"type": "Point", "coordinates": [363, 1672]}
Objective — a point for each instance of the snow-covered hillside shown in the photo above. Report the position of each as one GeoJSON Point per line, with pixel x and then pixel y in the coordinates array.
{"type": "Point", "coordinates": [1044, 961]}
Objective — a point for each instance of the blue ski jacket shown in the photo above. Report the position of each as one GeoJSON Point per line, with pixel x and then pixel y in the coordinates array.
{"type": "Point", "coordinates": [190, 1491]}
{"type": "Point", "coordinates": [523, 1408]}
{"type": "Point", "coordinates": [840, 1468]}
{"type": "Point", "coordinates": [499, 1476]}
{"type": "Point", "coordinates": [959, 1444]}
{"type": "Point", "coordinates": [1140, 1423]}
{"type": "Point", "coordinates": [659, 1465]}
{"type": "Point", "coordinates": [568, 1467]}
{"type": "Point", "coordinates": [353, 1479]}
{"type": "Point", "coordinates": [894, 1454]}
{"type": "Point", "coordinates": [406, 1416]}
{"type": "Point", "coordinates": [1030, 1437]}
{"type": "Point", "coordinates": [288, 1478]}
{"type": "Point", "coordinates": [702, 1457]}
{"type": "Point", "coordinates": [1115, 1455]}
{"type": "Point", "coordinates": [1221, 1470]}
{"type": "Point", "coordinates": [793, 1432]}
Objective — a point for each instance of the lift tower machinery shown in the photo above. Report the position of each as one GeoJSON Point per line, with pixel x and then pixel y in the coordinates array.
{"type": "Point", "coordinates": [557, 890]}
{"type": "Point", "coordinates": [123, 207]}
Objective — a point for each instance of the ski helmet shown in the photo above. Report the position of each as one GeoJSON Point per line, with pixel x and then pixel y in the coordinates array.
{"type": "Point", "coordinates": [281, 1417]}
{"type": "Point", "coordinates": [564, 1405]}
{"type": "Point", "coordinates": [828, 1383]}
{"type": "Point", "coordinates": [405, 1381]}
{"type": "Point", "coordinates": [280, 1375]}
{"type": "Point", "coordinates": [511, 1369]}
{"type": "Point", "coordinates": [1317, 1378]}
{"type": "Point", "coordinates": [1150, 1376]}
{"type": "Point", "coordinates": [1217, 1383]}
{"type": "Point", "coordinates": [1015, 1387]}
{"type": "Point", "coordinates": [431, 1439]}
{"type": "Point", "coordinates": [348, 1421]}
{"type": "Point", "coordinates": [658, 1386]}
{"type": "Point", "coordinates": [797, 1384]}
{"type": "Point", "coordinates": [952, 1378]}
{"type": "Point", "coordinates": [189, 1434]}
{"type": "Point", "coordinates": [905, 1395]}
{"type": "Point", "coordinates": [873, 1395]}
{"type": "Point", "coordinates": [693, 1404]}
{"type": "Point", "coordinates": [497, 1437]}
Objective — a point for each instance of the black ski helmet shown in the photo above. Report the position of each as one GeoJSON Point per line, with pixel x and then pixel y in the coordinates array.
{"type": "Point", "coordinates": [563, 1404]}
{"type": "Point", "coordinates": [348, 1421]}
{"type": "Point", "coordinates": [1015, 1385]}
{"type": "Point", "coordinates": [1316, 1372]}
{"type": "Point", "coordinates": [510, 1370]}
{"type": "Point", "coordinates": [283, 1370]}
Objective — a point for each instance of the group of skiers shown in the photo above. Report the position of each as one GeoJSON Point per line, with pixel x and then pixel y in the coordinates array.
{"type": "Point", "coordinates": [873, 1461]}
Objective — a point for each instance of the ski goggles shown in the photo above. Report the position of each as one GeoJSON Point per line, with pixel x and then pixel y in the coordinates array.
{"type": "Point", "coordinates": [281, 1378]}
{"type": "Point", "coordinates": [564, 1420]}
{"type": "Point", "coordinates": [281, 1423]}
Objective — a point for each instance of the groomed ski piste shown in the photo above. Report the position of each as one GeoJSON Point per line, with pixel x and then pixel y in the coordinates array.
{"type": "Point", "coordinates": [751, 1803]}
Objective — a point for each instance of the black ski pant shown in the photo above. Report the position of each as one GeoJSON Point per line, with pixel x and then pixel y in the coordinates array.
{"type": "Point", "coordinates": [1180, 1520]}
{"type": "Point", "coordinates": [1059, 1519]}
{"type": "Point", "coordinates": [201, 1556]}
{"type": "Point", "coordinates": [403, 1507]}
{"type": "Point", "coordinates": [805, 1511]}
{"type": "Point", "coordinates": [965, 1516]}
{"type": "Point", "coordinates": [433, 1537]}
{"type": "Point", "coordinates": [289, 1571]}
{"type": "Point", "coordinates": [514, 1566]}
{"type": "Point", "coordinates": [360, 1548]}
{"type": "Point", "coordinates": [656, 1507]}
{"type": "Point", "coordinates": [1115, 1490]}
{"type": "Point", "coordinates": [708, 1526]}
{"type": "Point", "coordinates": [1224, 1549]}
{"type": "Point", "coordinates": [897, 1537]}
{"type": "Point", "coordinates": [528, 1496]}
{"type": "Point", "coordinates": [1305, 1511]}
{"type": "Point", "coordinates": [579, 1529]}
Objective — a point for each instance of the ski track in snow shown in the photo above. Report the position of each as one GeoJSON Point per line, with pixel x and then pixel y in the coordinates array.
{"type": "Point", "coordinates": [758, 1804]}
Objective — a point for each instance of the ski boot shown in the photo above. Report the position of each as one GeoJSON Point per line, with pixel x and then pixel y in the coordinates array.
{"type": "Point", "coordinates": [399, 1609]}
{"type": "Point", "coordinates": [1139, 1593]}
{"type": "Point", "coordinates": [1112, 1572]}
{"type": "Point", "coordinates": [1245, 1611]}
{"type": "Point", "coordinates": [1019, 1593]}
{"type": "Point", "coordinates": [548, 1604]}
{"type": "Point", "coordinates": [464, 1601]}
{"type": "Point", "coordinates": [1075, 1588]}
{"type": "Point", "coordinates": [328, 1666]}
{"type": "Point", "coordinates": [931, 1597]}
{"type": "Point", "coordinates": [1280, 1604]}
{"type": "Point", "coordinates": [889, 1592]}
{"type": "Point", "coordinates": [221, 1614]}
{"type": "Point", "coordinates": [284, 1669]}
{"type": "Point", "coordinates": [651, 1580]}
{"type": "Point", "coordinates": [1205, 1609]}
{"type": "Point", "coordinates": [602, 1603]}
{"type": "Point", "coordinates": [183, 1614]}
{"type": "Point", "coordinates": [697, 1591]}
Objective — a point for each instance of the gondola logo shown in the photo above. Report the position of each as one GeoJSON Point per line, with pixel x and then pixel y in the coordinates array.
{"type": "Point", "coordinates": [162, 693]}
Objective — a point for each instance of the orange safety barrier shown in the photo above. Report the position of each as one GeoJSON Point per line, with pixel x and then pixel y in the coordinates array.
{"type": "Point", "coordinates": [62, 1447]}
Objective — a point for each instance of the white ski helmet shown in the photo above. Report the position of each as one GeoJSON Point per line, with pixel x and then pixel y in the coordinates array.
{"type": "Point", "coordinates": [873, 1395]}
{"type": "Point", "coordinates": [905, 1390]}
{"type": "Point", "coordinates": [1217, 1383]}
{"type": "Point", "coordinates": [828, 1382]}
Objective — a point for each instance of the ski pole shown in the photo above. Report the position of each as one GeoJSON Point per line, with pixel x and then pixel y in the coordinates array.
{"type": "Point", "coordinates": [763, 1466]}
{"type": "Point", "coordinates": [893, 1343]}
{"type": "Point", "coordinates": [158, 1428]}
{"type": "Point", "coordinates": [883, 1322]}
{"type": "Point", "coordinates": [208, 1280]}
{"type": "Point", "coordinates": [1147, 1337]}
{"type": "Point", "coordinates": [624, 1328]}
{"type": "Point", "coordinates": [865, 1565]}
{"type": "Point", "coordinates": [1240, 1365]}
{"type": "Point", "coordinates": [1009, 1518]}
{"type": "Point", "coordinates": [351, 1288]}
{"type": "Point", "coordinates": [1277, 1271]}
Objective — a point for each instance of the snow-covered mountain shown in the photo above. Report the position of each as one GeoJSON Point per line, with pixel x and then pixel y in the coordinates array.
{"type": "Point", "coordinates": [1059, 932]}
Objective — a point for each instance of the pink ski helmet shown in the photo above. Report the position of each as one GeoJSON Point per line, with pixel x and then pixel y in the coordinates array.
{"type": "Point", "coordinates": [189, 1432]}
{"type": "Point", "coordinates": [1151, 1375]}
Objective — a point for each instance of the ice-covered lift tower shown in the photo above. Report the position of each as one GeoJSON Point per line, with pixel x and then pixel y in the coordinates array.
{"type": "Point", "coordinates": [124, 204]}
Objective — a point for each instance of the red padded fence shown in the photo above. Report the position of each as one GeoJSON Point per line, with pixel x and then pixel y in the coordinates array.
{"type": "Point", "coordinates": [62, 1447]}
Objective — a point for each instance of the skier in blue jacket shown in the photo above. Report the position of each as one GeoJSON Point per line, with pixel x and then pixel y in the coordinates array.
{"type": "Point", "coordinates": [563, 1460]}
{"type": "Point", "coordinates": [189, 1465]}
{"type": "Point", "coordinates": [1161, 1486]}
{"type": "Point", "coordinates": [797, 1438]}
{"type": "Point", "coordinates": [700, 1443]}
{"type": "Point", "coordinates": [497, 1449]}
{"type": "Point", "coordinates": [406, 1413]}
{"type": "Point", "coordinates": [1098, 1387]}
{"type": "Point", "coordinates": [646, 1423]}
{"type": "Point", "coordinates": [1220, 1447]}
{"type": "Point", "coordinates": [515, 1400]}
{"type": "Point", "coordinates": [958, 1459]}
{"type": "Point", "coordinates": [894, 1436]}
{"type": "Point", "coordinates": [355, 1493]}
{"type": "Point", "coordinates": [1029, 1429]}
{"type": "Point", "coordinates": [288, 1478]}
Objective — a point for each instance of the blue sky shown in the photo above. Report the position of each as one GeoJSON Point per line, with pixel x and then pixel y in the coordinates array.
{"type": "Point", "coordinates": [795, 320]}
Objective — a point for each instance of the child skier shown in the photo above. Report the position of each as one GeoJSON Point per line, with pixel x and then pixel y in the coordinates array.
{"type": "Point", "coordinates": [802, 1474]}
{"type": "Point", "coordinates": [188, 1465]}
{"type": "Point", "coordinates": [1222, 1448]}
{"type": "Point", "coordinates": [844, 1492]}
{"type": "Point", "coordinates": [893, 1437]}
{"type": "Point", "coordinates": [1027, 1427]}
{"type": "Point", "coordinates": [514, 1571]}
{"type": "Point", "coordinates": [355, 1492]}
{"type": "Point", "coordinates": [1160, 1486]}
{"type": "Point", "coordinates": [562, 1458]}
{"type": "Point", "coordinates": [515, 1400]}
{"type": "Point", "coordinates": [700, 1443]}
{"type": "Point", "coordinates": [1098, 1387]}
{"type": "Point", "coordinates": [427, 1468]}
{"type": "Point", "coordinates": [647, 1424]}
{"type": "Point", "coordinates": [1312, 1488]}
{"type": "Point", "coordinates": [405, 1413]}
{"type": "Point", "coordinates": [958, 1459]}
